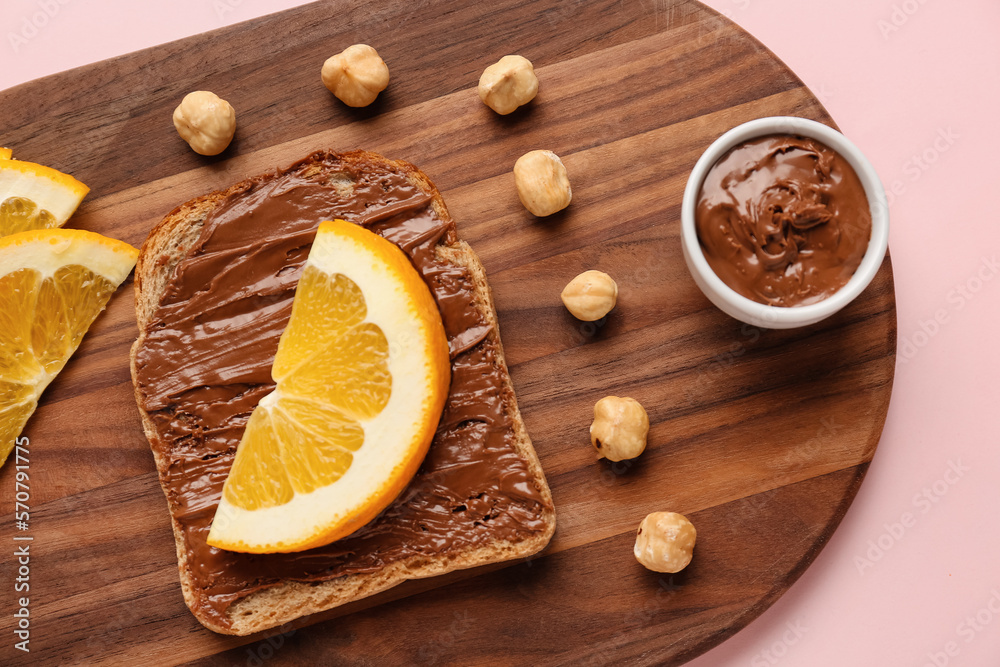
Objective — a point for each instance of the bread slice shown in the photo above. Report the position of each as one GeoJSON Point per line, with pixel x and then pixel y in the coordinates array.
{"type": "Point", "coordinates": [279, 602]}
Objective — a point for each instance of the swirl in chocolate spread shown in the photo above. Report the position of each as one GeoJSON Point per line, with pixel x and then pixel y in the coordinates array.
{"type": "Point", "coordinates": [783, 220]}
{"type": "Point", "coordinates": [207, 355]}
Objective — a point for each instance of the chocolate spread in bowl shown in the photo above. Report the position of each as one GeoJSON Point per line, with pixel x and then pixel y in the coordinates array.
{"type": "Point", "coordinates": [206, 362]}
{"type": "Point", "coordinates": [783, 220]}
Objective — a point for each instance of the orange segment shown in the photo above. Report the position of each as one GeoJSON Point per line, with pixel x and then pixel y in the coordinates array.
{"type": "Point", "coordinates": [336, 304]}
{"type": "Point", "coordinates": [258, 478]}
{"type": "Point", "coordinates": [361, 373]}
{"type": "Point", "coordinates": [53, 284]}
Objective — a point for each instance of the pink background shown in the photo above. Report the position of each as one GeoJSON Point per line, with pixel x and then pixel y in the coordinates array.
{"type": "Point", "coordinates": [915, 84]}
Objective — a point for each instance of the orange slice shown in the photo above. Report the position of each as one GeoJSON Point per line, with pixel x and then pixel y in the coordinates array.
{"type": "Point", "coordinates": [53, 283]}
{"type": "Point", "coordinates": [361, 374]}
{"type": "Point", "coordinates": [33, 196]}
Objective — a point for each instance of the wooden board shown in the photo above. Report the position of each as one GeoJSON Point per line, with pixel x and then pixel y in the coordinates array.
{"type": "Point", "coordinates": [761, 437]}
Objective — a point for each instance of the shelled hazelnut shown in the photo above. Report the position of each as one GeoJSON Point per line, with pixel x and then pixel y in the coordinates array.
{"type": "Point", "coordinates": [356, 75]}
{"type": "Point", "coordinates": [508, 84]}
{"type": "Point", "coordinates": [665, 542]}
{"type": "Point", "coordinates": [542, 183]}
{"type": "Point", "coordinates": [206, 121]}
{"type": "Point", "coordinates": [590, 296]}
{"type": "Point", "coordinates": [619, 429]}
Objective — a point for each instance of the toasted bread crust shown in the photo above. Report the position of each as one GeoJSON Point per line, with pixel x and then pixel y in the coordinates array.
{"type": "Point", "coordinates": [167, 244]}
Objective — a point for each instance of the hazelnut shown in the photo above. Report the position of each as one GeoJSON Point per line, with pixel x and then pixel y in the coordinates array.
{"type": "Point", "coordinates": [620, 428]}
{"type": "Point", "coordinates": [542, 183]}
{"type": "Point", "coordinates": [206, 121]}
{"type": "Point", "coordinates": [664, 542]}
{"type": "Point", "coordinates": [356, 75]}
{"type": "Point", "coordinates": [508, 84]}
{"type": "Point", "coordinates": [590, 296]}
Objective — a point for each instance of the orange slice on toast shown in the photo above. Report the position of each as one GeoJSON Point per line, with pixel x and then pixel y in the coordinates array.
{"type": "Point", "coordinates": [362, 373]}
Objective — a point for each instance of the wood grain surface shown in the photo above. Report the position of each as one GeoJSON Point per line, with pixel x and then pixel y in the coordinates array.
{"type": "Point", "coordinates": [761, 437]}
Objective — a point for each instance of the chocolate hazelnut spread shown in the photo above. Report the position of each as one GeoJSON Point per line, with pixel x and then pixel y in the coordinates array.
{"type": "Point", "coordinates": [783, 220]}
{"type": "Point", "coordinates": [206, 359]}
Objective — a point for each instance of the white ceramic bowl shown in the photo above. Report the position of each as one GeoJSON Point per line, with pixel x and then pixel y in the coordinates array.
{"type": "Point", "coordinates": [778, 317]}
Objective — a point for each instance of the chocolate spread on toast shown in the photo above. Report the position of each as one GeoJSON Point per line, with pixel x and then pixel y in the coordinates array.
{"type": "Point", "coordinates": [206, 362]}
